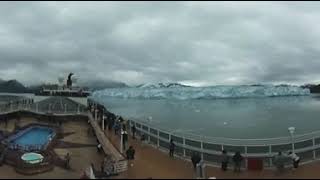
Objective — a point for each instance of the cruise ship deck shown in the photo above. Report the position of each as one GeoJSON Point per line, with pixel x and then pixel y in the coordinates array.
{"type": "Point", "coordinates": [153, 163]}
{"type": "Point", "coordinates": [150, 162]}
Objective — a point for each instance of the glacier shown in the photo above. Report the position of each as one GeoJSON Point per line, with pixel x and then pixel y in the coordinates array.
{"type": "Point", "coordinates": [214, 92]}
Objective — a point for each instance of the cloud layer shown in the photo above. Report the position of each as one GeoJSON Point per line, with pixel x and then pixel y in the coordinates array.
{"type": "Point", "coordinates": [200, 43]}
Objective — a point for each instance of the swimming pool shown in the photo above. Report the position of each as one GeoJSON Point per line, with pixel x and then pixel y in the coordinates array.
{"type": "Point", "coordinates": [32, 138]}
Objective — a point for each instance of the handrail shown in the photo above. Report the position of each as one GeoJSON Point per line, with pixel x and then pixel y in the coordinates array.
{"type": "Point", "coordinates": [237, 142]}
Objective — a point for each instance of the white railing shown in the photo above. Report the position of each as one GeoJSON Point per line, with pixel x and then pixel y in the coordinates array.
{"type": "Point", "coordinates": [235, 141]}
{"type": "Point", "coordinates": [187, 142]}
{"type": "Point", "coordinates": [305, 145]}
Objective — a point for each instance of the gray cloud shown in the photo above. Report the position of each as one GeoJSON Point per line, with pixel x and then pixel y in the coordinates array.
{"type": "Point", "coordinates": [203, 43]}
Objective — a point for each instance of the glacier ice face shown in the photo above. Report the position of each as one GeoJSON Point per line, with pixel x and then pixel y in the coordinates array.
{"type": "Point", "coordinates": [214, 92]}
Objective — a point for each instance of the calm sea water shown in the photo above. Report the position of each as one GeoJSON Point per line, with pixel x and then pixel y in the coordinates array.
{"type": "Point", "coordinates": [235, 118]}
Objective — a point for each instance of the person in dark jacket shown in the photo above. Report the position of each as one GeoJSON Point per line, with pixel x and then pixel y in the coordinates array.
{"type": "Point", "coordinates": [237, 159]}
{"type": "Point", "coordinates": [130, 153]}
{"type": "Point", "coordinates": [67, 161]}
{"type": "Point", "coordinates": [224, 160]}
{"type": "Point", "coordinates": [195, 160]}
{"type": "Point", "coordinates": [171, 148]}
{"type": "Point", "coordinates": [279, 161]}
{"type": "Point", "coordinates": [133, 130]}
{"type": "Point", "coordinates": [124, 139]}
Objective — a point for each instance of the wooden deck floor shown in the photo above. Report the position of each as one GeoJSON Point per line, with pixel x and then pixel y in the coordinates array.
{"type": "Point", "coordinates": [151, 162]}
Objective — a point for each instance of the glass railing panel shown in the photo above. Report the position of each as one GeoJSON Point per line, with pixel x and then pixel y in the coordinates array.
{"type": "Point", "coordinates": [153, 140]}
{"type": "Point", "coordinates": [234, 149]}
{"type": "Point", "coordinates": [258, 149]}
{"type": "Point", "coordinates": [179, 151]}
{"type": "Point", "coordinates": [215, 159]}
{"type": "Point", "coordinates": [317, 153]}
{"type": "Point", "coordinates": [282, 148]}
{"type": "Point", "coordinates": [193, 143]}
{"type": "Point", "coordinates": [164, 144]}
{"type": "Point", "coordinates": [303, 144]}
{"type": "Point", "coordinates": [189, 152]}
{"type": "Point", "coordinates": [145, 128]}
{"type": "Point", "coordinates": [214, 147]}
{"type": "Point", "coordinates": [138, 125]}
{"type": "Point", "coordinates": [153, 131]}
{"type": "Point", "coordinates": [177, 139]}
{"type": "Point", "coordinates": [164, 135]}
{"type": "Point", "coordinates": [305, 156]}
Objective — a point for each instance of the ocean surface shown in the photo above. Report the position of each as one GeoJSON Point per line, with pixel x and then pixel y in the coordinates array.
{"type": "Point", "coordinates": [224, 111]}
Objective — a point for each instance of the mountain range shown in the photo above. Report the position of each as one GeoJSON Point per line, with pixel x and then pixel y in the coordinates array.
{"type": "Point", "coordinates": [14, 86]}
{"type": "Point", "coordinates": [161, 85]}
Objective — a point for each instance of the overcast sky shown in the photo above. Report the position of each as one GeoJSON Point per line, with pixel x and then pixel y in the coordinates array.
{"type": "Point", "coordinates": [199, 43]}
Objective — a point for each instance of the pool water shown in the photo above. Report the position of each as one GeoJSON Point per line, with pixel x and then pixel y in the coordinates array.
{"type": "Point", "coordinates": [34, 136]}
{"type": "Point", "coordinates": [32, 158]}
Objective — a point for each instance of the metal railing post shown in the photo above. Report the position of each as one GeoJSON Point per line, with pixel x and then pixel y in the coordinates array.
{"type": "Point", "coordinates": [246, 159]}
{"type": "Point", "coordinates": [95, 114]}
{"type": "Point", "coordinates": [202, 148]}
{"type": "Point", "coordinates": [37, 107]}
{"type": "Point", "coordinates": [270, 153]}
{"type": "Point", "coordinates": [11, 105]}
{"type": "Point", "coordinates": [314, 151]}
{"type": "Point", "coordinates": [184, 146]}
{"type": "Point", "coordinates": [78, 109]}
{"type": "Point", "coordinates": [121, 142]}
{"type": "Point", "coordinates": [149, 134]}
{"type": "Point", "coordinates": [169, 141]}
{"type": "Point", "coordinates": [158, 138]}
{"type": "Point", "coordinates": [103, 122]}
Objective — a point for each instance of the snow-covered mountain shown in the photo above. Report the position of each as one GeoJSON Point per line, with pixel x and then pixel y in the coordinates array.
{"type": "Point", "coordinates": [181, 92]}
{"type": "Point", "coordinates": [162, 85]}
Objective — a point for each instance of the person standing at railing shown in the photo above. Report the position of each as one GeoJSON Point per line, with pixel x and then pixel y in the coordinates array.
{"type": "Point", "coordinates": [295, 160]}
{"type": "Point", "coordinates": [117, 127]}
{"type": "Point", "coordinates": [171, 148]}
{"type": "Point", "coordinates": [279, 161]}
{"type": "Point", "coordinates": [133, 130]}
{"type": "Point", "coordinates": [237, 160]}
{"type": "Point", "coordinates": [224, 160]}
{"type": "Point", "coordinates": [124, 139]}
{"type": "Point", "coordinates": [195, 159]}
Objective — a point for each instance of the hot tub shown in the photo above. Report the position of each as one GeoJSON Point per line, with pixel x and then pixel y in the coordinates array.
{"type": "Point", "coordinates": [32, 158]}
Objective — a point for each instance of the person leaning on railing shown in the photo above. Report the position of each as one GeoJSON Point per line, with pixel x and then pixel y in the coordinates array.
{"type": "Point", "coordinates": [295, 159]}
{"type": "Point", "coordinates": [171, 148]}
